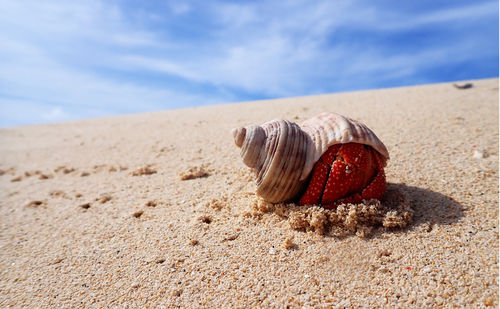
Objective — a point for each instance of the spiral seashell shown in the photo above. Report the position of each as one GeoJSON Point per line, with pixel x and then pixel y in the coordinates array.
{"type": "Point", "coordinates": [277, 151]}
{"type": "Point", "coordinates": [283, 153]}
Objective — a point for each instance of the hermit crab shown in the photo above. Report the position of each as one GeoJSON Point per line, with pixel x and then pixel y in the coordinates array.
{"type": "Point", "coordinates": [327, 160]}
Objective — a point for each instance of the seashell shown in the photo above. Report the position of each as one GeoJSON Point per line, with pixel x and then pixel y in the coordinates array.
{"type": "Point", "coordinates": [277, 151]}
{"type": "Point", "coordinates": [283, 153]}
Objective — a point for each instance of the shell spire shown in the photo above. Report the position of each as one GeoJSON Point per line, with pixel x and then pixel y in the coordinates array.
{"type": "Point", "coordinates": [283, 153]}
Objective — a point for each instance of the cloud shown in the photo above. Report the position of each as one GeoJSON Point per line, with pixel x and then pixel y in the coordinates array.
{"type": "Point", "coordinates": [289, 49]}
{"type": "Point", "coordinates": [470, 12]}
{"type": "Point", "coordinates": [179, 8]}
{"type": "Point", "coordinates": [28, 111]}
{"type": "Point", "coordinates": [54, 114]}
{"type": "Point", "coordinates": [159, 65]}
{"type": "Point", "coordinates": [49, 69]}
{"type": "Point", "coordinates": [64, 60]}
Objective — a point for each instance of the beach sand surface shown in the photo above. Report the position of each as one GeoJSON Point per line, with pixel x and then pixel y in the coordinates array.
{"type": "Point", "coordinates": [158, 209]}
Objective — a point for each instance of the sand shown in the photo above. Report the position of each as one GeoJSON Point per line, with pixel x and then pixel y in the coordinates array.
{"type": "Point", "coordinates": [158, 209]}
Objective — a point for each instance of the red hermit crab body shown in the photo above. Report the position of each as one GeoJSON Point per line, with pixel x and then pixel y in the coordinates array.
{"type": "Point", "coordinates": [327, 160]}
{"type": "Point", "coordinates": [345, 173]}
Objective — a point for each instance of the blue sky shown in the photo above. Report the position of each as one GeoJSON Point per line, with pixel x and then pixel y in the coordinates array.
{"type": "Point", "coordinates": [66, 60]}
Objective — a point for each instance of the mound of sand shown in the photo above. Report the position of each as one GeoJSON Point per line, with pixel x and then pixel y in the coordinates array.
{"type": "Point", "coordinates": [393, 211]}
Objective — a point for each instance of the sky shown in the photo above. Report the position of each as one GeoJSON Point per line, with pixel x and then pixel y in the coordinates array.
{"type": "Point", "coordinates": [66, 60]}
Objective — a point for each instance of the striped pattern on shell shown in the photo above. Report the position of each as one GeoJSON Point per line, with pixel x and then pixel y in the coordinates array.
{"type": "Point", "coordinates": [277, 151]}
{"type": "Point", "coordinates": [283, 154]}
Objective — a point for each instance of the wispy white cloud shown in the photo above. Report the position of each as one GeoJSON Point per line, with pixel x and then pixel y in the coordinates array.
{"type": "Point", "coordinates": [54, 114]}
{"type": "Point", "coordinates": [46, 56]}
{"type": "Point", "coordinates": [470, 12]}
{"type": "Point", "coordinates": [159, 65]}
{"type": "Point", "coordinates": [179, 7]}
{"type": "Point", "coordinates": [94, 58]}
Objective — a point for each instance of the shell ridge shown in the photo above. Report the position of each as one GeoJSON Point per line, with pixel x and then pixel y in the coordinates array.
{"type": "Point", "coordinates": [282, 169]}
{"type": "Point", "coordinates": [272, 175]}
{"type": "Point", "coordinates": [287, 183]}
{"type": "Point", "coordinates": [291, 185]}
{"type": "Point", "coordinates": [268, 151]}
{"type": "Point", "coordinates": [274, 136]}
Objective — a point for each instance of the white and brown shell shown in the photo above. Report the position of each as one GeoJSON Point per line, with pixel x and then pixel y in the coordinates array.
{"type": "Point", "coordinates": [283, 153]}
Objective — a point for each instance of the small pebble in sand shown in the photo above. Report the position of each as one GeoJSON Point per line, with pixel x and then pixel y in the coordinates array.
{"type": "Point", "coordinates": [488, 301]}
{"type": "Point", "coordinates": [193, 172]}
{"type": "Point", "coordinates": [58, 260]}
{"type": "Point", "coordinates": [205, 219]}
{"type": "Point", "coordinates": [43, 176]}
{"type": "Point", "coordinates": [219, 203]}
{"type": "Point", "coordinates": [231, 237]}
{"type": "Point", "coordinates": [144, 171]}
{"type": "Point", "coordinates": [289, 244]}
{"type": "Point", "coordinates": [135, 285]}
{"type": "Point", "coordinates": [138, 213]}
{"type": "Point", "coordinates": [57, 193]}
{"type": "Point", "coordinates": [479, 154]}
{"type": "Point", "coordinates": [16, 179]}
{"type": "Point", "coordinates": [85, 206]}
{"type": "Point", "coordinates": [194, 242]}
{"type": "Point", "coordinates": [84, 174]}
{"type": "Point", "coordinates": [177, 293]}
{"type": "Point", "coordinates": [151, 203]}
{"type": "Point", "coordinates": [9, 171]}
{"type": "Point", "coordinates": [68, 170]}
{"type": "Point", "coordinates": [463, 86]}
{"type": "Point", "coordinates": [384, 252]}
{"type": "Point", "coordinates": [160, 260]}
{"type": "Point", "coordinates": [35, 203]}
{"type": "Point", "coordinates": [78, 195]}
{"type": "Point", "coordinates": [104, 198]}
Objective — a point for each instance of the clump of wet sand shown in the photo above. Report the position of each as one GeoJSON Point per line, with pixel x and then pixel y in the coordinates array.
{"type": "Point", "coordinates": [394, 211]}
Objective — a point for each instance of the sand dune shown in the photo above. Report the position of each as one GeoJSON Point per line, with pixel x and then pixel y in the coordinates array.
{"type": "Point", "coordinates": [158, 209]}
